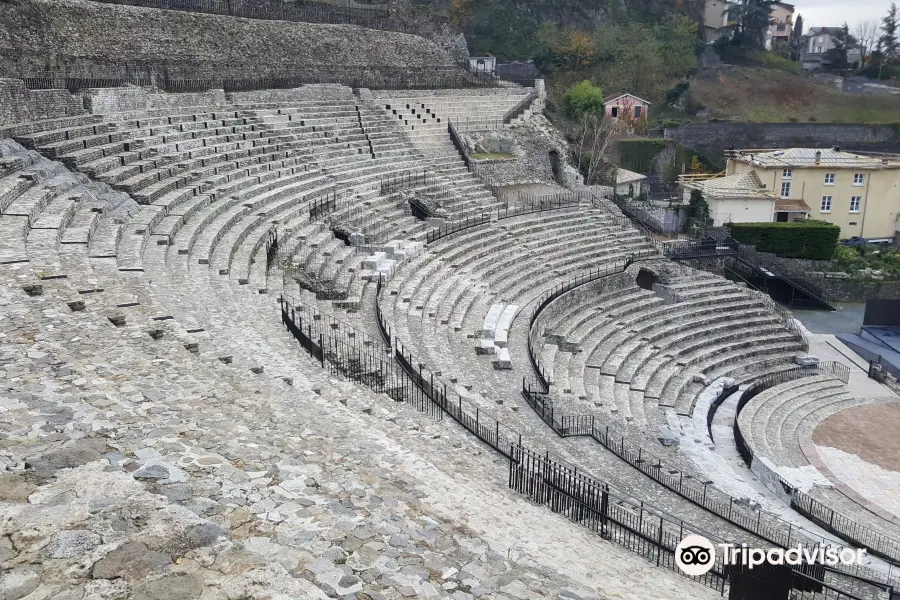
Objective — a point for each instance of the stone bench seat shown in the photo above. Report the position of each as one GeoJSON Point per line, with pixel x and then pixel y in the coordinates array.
{"type": "Point", "coordinates": [650, 311]}
{"type": "Point", "coordinates": [675, 346]}
{"type": "Point", "coordinates": [633, 355]}
{"type": "Point", "coordinates": [754, 420]}
{"type": "Point", "coordinates": [761, 352]}
{"type": "Point", "coordinates": [698, 355]}
{"type": "Point", "coordinates": [58, 212]}
{"type": "Point", "coordinates": [658, 329]}
{"type": "Point", "coordinates": [32, 201]}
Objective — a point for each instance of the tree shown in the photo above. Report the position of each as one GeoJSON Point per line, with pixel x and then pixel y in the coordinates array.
{"type": "Point", "coordinates": [866, 34]}
{"type": "Point", "coordinates": [836, 57]}
{"type": "Point", "coordinates": [697, 213]}
{"type": "Point", "coordinates": [582, 99]}
{"type": "Point", "coordinates": [795, 46]}
{"type": "Point", "coordinates": [459, 11]}
{"type": "Point", "coordinates": [696, 165]}
{"type": "Point", "coordinates": [753, 19]}
{"type": "Point", "coordinates": [888, 43]}
{"type": "Point", "coordinates": [592, 135]}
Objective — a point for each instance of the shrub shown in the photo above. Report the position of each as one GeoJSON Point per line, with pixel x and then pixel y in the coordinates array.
{"type": "Point", "coordinates": [676, 92]}
{"type": "Point", "coordinates": [670, 123]}
{"type": "Point", "coordinates": [583, 98]}
{"type": "Point", "coordinates": [637, 155]}
{"type": "Point", "coordinates": [814, 240]}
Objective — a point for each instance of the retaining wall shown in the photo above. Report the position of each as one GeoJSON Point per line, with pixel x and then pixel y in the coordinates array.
{"type": "Point", "coordinates": [713, 139]}
{"type": "Point", "coordinates": [76, 37]}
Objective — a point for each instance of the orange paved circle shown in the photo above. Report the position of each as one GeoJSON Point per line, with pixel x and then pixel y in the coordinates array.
{"type": "Point", "coordinates": [871, 432]}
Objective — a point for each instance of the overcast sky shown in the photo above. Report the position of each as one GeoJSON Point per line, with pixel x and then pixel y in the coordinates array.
{"type": "Point", "coordinates": [832, 13]}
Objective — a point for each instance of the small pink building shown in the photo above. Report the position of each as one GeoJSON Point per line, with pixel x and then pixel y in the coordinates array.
{"type": "Point", "coordinates": [627, 107]}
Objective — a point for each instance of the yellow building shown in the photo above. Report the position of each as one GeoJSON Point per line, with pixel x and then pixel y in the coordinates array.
{"type": "Point", "coordinates": [858, 192]}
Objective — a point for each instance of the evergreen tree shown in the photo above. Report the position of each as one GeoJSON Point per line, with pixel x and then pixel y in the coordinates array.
{"type": "Point", "coordinates": [888, 44]}
{"type": "Point", "coordinates": [753, 18]}
{"type": "Point", "coordinates": [795, 46]}
{"type": "Point", "coordinates": [836, 57]}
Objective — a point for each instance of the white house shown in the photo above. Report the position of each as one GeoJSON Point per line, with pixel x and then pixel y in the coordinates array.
{"type": "Point", "coordinates": [740, 198]}
{"type": "Point", "coordinates": [818, 42]}
{"type": "Point", "coordinates": [629, 183]}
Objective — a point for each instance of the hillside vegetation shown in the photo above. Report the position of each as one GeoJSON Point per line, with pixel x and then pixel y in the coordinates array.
{"type": "Point", "coordinates": [770, 95]}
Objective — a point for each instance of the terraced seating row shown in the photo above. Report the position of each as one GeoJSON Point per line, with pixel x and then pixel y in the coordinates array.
{"type": "Point", "coordinates": [427, 115]}
{"type": "Point", "coordinates": [771, 422]}
{"type": "Point", "coordinates": [632, 352]}
{"type": "Point", "coordinates": [446, 295]}
{"type": "Point", "coordinates": [202, 169]}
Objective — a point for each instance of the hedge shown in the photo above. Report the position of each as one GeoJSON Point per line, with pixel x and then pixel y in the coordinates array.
{"type": "Point", "coordinates": [814, 240]}
{"type": "Point", "coordinates": [638, 155]}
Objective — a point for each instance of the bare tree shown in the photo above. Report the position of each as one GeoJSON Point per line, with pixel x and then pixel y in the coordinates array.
{"type": "Point", "coordinates": [594, 134]}
{"type": "Point", "coordinates": [866, 34]}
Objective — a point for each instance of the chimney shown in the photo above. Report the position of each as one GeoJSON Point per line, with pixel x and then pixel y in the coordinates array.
{"type": "Point", "coordinates": [818, 156]}
{"type": "Point", "coordinates": [837, 148]}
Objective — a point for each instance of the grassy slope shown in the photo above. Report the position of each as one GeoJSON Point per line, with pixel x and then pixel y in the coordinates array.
{"type": "Point", "coordinates": [768, 95]}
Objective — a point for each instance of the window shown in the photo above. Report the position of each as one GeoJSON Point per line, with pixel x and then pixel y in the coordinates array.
{"type": "Point", "coordinates": [826, 204]}
{"type": "Point", "coordinates": [782, 27]}
{"type": "Point", "coordinates": [853, 223]}
{"type": "Point", "coordinates": [615, 112]}
{"type": "Point", "coordinates": [855, 201]}
{"type": "Point", "coordinates": [859, 179]}
{"type": "Point", "coordinates": [787, 174]}
{"type": "Point", "coordinates": [637, 112]}
{"type": "Point", "coordinates": [786, 189]}
{"type": "Point", "coordinates": [829, 178]}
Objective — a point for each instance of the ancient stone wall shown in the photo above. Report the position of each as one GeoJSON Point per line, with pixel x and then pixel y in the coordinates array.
{"type": "Point", "coordinates": [76, 38]}
{"type": "Point", "coordinates": [20, 107]}
{"type": "Point", "coordinates": [533, 139]}
{"type": "Point", "coordinates": [18, 104]}
{"type": "Point", "coordinates": [712, 139]}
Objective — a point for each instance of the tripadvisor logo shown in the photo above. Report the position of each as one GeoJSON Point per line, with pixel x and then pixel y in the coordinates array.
{"type": "Point", "coordinates": [695, 555]}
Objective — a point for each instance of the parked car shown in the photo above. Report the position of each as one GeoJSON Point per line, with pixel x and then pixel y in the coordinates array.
{"type": "Point", "coordinates": [861, 241]}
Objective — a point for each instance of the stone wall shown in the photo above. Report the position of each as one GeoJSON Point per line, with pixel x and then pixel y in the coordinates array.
{"type": "Point", "coordinates": [534, 138]}
{"type": "Point", "coordinates": [77, 37]}
{"type": "Point", "coordinates": [18, 104]}
{"type": "Point", "coordinates": [712, 139]}
{"type": "Point", "coordinates": [838, 287]}
{"type": "Point", "coordinates": [19, 107]}
{"type": "Point", "coordinates": [860, 290]}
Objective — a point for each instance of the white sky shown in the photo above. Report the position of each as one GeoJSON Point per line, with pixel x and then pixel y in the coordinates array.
{"type": "Point", "coordinates": [833, 13]}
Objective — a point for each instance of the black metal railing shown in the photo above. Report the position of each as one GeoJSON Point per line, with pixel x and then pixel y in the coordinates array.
{"type": "Point", "coordinates": [613, 516]}
{"type": "Point", "coordinates": [344, 350]}
{"type": "Point", "coordinates": [322, 206]}
{"type": "Point", "coordinates": [795, 276]}
{"type": "Point", "coordinates": [841, 525]}
{"type": "Point", "coordinates": [457, 226]}
{"type": "Point", "coordinates": [459, 145]}
{"type": "Point", "coordinates": [407, 180]}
